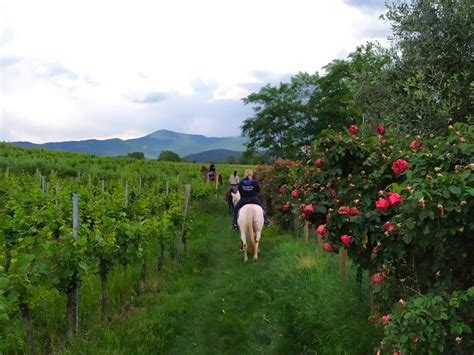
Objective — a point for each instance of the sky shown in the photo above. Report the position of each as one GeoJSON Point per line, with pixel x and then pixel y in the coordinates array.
{"type": "Point", "coordinates": [73, 70]}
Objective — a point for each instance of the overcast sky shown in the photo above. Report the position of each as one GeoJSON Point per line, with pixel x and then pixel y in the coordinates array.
{"type": "Point", "coordinates": [101, 69]}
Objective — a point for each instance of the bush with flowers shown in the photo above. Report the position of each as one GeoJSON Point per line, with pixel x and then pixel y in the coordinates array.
{"type": "Point", "coordinates": [403, 208]}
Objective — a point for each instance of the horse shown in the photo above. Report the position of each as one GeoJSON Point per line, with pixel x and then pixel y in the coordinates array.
{"type": "Point", "coordinates": [228, 196]}
{"type": "Point", "coordinates": [250, 220]}
{"type": "Point", "coordinates": [205, 170]}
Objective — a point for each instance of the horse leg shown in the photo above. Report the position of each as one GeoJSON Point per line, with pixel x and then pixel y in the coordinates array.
{"type": "Point", "coordinates": [243, 238]}
{"type": "Point", "coordinates": [257, 242]}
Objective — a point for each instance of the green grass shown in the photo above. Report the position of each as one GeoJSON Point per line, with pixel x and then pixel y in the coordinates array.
{"type": "Point", "coordinates": [291, 301]}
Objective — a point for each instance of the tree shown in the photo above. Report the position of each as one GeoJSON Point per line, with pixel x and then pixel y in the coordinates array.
{"type": "Point", "coordinates": [369, 83]}
{"type": "Point", "coordinates": [281, 122]}
{"type": "Point", "coordinates": [136, 155]}
{"type": "Point", "coordinates": [168, 155]}
{"type": "Point", "coordinates": [433, 70]}
{"type": "Point", "coordinates": [332, 102]}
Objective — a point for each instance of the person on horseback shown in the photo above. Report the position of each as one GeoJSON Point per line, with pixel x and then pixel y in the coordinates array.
{"type": "Point", "coordinates": [234, 179]}
{"type": "Point", "coordinates": [249, 193]}
{"type": "Point", "coordinates": [212, 170]}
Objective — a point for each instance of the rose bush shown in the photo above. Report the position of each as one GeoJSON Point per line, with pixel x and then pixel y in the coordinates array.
{"type": "Point", "coordinates": [407, 208]}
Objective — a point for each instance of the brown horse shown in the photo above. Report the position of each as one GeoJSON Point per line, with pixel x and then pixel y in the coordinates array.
{"type": "Point", "coordinates": [205, 170]}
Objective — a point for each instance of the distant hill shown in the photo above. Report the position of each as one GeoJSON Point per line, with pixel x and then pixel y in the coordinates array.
{"type": "Point", "coordinates": [215, 155]}
{"type": "Point", "coordinates": [151, 145]}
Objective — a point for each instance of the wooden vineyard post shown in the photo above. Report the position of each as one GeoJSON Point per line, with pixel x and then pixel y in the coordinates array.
{"type": "Point", "coordinates": [187, 195]}
{"type": "Point", "coordinates": [320, 242]}
{"type": "Point", "coordinates": [73, 293]}
{"type": "Point", "coordinates": [103, 186]}
{"type": "Point", "coordinates": [167, 187]}
{"type": "Point", "coordinates": [342, 261]}
{"type": "Point", "coordinates": [43, 185]}
{"type": "Point", "coordinates": [56, 196]}
{"type": "Point", "coordinates": [306, 231]}
{"type": "Point", "coordinates": [217, 182]}
{"type": "Point", "coordinates": [126, 194]}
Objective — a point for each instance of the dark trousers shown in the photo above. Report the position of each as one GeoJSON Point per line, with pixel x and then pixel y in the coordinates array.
{"type": "Point", "coordinates": [246, 201]}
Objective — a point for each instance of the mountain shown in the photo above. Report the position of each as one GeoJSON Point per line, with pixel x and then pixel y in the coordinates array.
{"type": "Point", "coordinates": [151, 145]}
{"type": "Point", "coordinates": [215, 155]}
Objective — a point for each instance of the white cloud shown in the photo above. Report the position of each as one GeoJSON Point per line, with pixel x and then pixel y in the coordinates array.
{"type": "Point", "coordinates": [109, 68]}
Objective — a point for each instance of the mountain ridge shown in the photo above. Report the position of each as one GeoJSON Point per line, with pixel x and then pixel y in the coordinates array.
{"type": "Point", "coordinates": [151, 145]}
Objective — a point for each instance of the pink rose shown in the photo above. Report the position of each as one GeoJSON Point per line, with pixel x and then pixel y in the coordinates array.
{"type": "Point", "coordinates": [327, 247]}
{"type": "Point", "coordinates": [281, 189]}
{"type": "Point", "coordinates": [394, 199]}
{"type": "Point", "coordinates": [321, 230]}
{"type": "Point", "coordinates": [295, 193]}
{"type": "Point", "coordinates": [353, 129]}
{"type": "Point", "coordinates": [346, 240]}
{"type": "Point", "coordinates": [377, 278]}
{"type": "Point", "coordinates": [353, 212]}
{"type": "Point", "coordinates": [381, 129]}
{"type": "Point", "coordinates": [388, 227]}
{"type": "Point", "coordinates": [318, 163]}
{"type": "Point", "coordinates": [399, 166]}
{"type": "Point", "coordinates": [308, 209]}
{"type": "Point", "coordinates": [385, 319]}
{"type": "Point", "coordinates": [286, 207]}
{"type": "Point", "coordinates": [416, 144]}
{"type": "Point", "coordinates": [382, 204]}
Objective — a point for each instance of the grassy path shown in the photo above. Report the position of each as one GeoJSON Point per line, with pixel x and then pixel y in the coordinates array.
{"type": "Point", "coordinates": [291, 301]}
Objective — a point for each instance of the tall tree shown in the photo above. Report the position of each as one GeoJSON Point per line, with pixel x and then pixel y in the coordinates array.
{"type": "Point", "coordinates": [282, 121]}
{"type": "Point", "coordinates": [433, 72]}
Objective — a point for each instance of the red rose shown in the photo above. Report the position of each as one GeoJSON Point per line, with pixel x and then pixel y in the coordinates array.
{"type": "Point", "coordinates": [382, 204]}
{"type": "Point", "coordinates": [416, 144]}
{"type": "Point", "coordinates": [281, 189]}
{"type": "Point", "coordinates": [381, 129]}
{"type": "Point", "coordinates": [399, 166]}
{"type": "Point", "coordinates": [377, 278]}
{"type": "Point", "coordinates": [353, 129]}
{"type": "Point", "coordinates": [343, 210]}
{"type": "Point", "coordinates": [318, 163]}
{"type": "Point", "coordinates": [388, 226]}
{"type": "Point", "coordinates": [385, 319]}
{"type": "Point", "coordinates": [394, 199]}
{"type": "Point", "coordinates": [286, 207]}
{"type": "Point", "coordinates": [353, 212]}
{"type": "Point", "coordinates": [327, 247]}
{"type": "Point", "coordinates": [308, 209]}
{"type": "Point", "coordinates": [321, 230]}
{"type": "Point", "coordinates": [346, 240]}
{"type": "Point", "coordinates": [295, 193]}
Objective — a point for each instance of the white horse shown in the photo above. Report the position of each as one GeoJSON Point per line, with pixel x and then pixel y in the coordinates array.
{"type": "Point", "coordinates": [250, 220]}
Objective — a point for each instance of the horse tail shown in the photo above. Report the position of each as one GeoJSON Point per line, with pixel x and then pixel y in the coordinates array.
{"type": "Point", "coordinates": [250, 218]}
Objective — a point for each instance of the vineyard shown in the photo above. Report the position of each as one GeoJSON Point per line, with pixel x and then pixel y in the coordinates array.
{"type": "Point", "coordinates": [66, 219]}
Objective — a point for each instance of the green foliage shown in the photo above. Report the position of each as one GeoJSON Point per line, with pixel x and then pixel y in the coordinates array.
{"type": "Point", "coordinates": [168, 155]}
{"type": "Point", "coordinates": [431, 323]}
{"type": "Point", "coordinates": [136, 155]}
{"type": "Point", "coordinates": [431, 78]}
{"type": "Point", "coordinates": [282, 121]}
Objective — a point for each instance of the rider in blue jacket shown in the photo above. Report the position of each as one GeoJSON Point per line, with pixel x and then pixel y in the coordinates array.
{"type": "Point", "coordinates": [249, 190]}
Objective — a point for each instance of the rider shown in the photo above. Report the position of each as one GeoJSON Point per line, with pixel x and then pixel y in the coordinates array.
{"type": "Point", "coordinates": [249, 190]}
{"type": "Point", "coordinates": [212, 170]}
{"type": "Point", "coordinates": [234, 179]}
